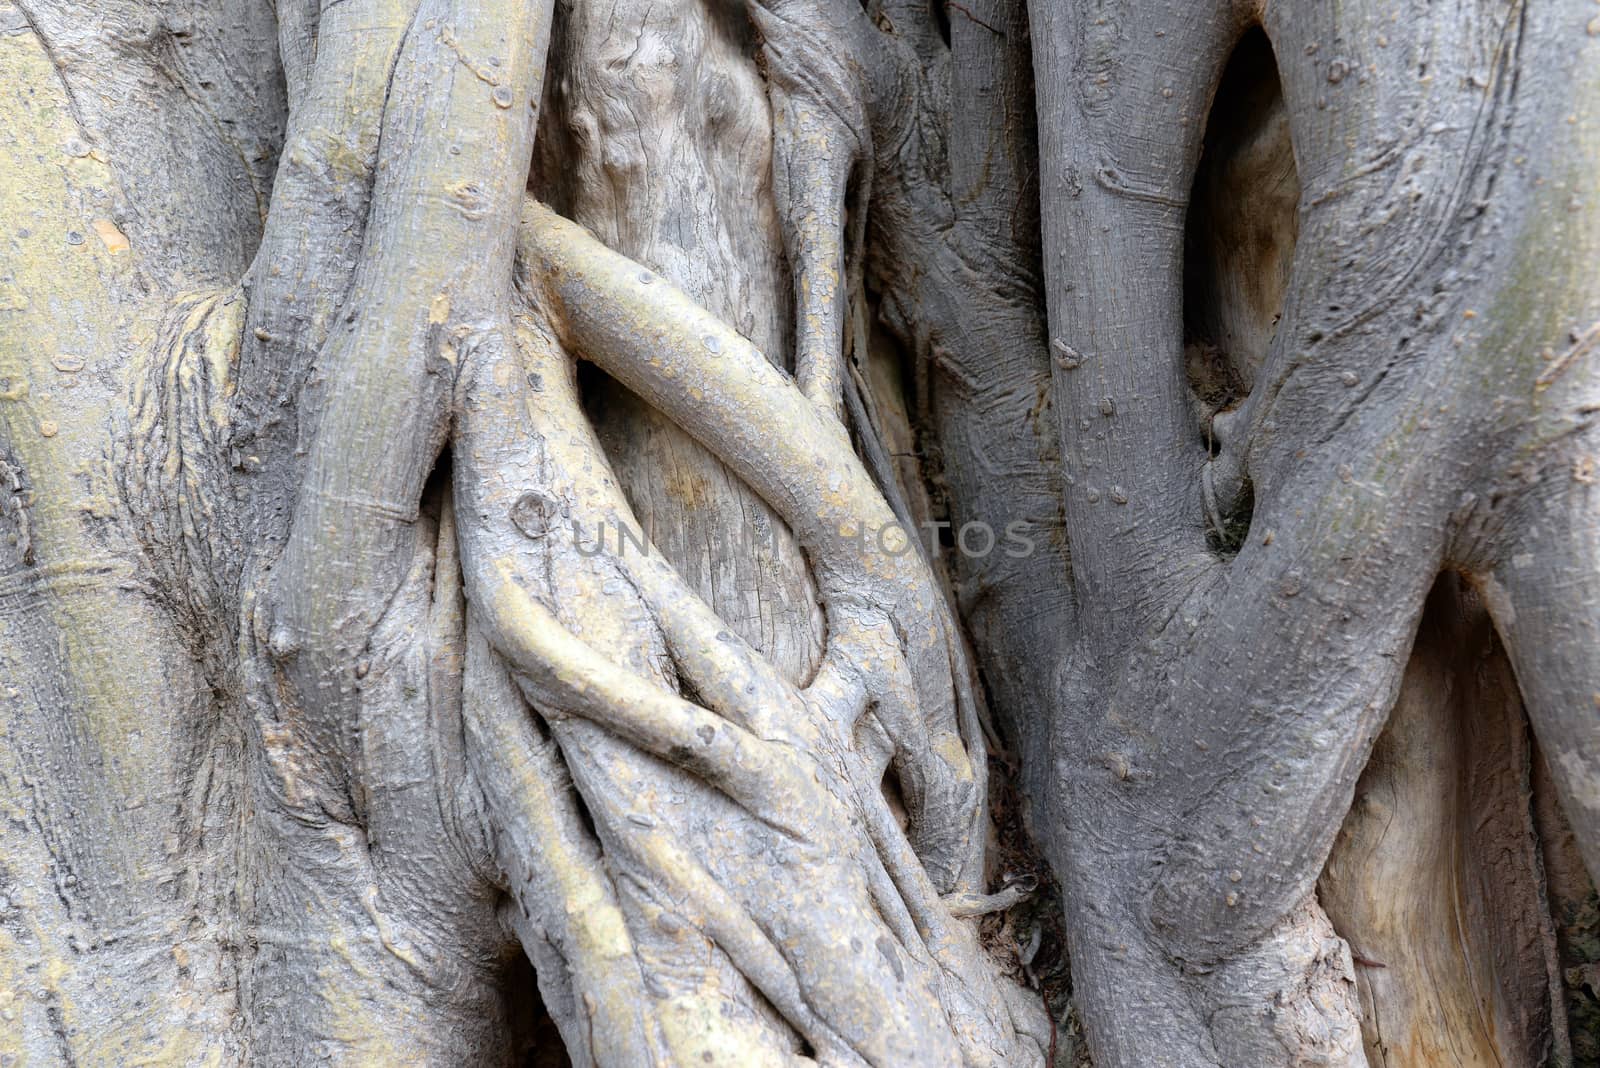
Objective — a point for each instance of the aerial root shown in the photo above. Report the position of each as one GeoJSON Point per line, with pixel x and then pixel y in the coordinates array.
{"type": "Point", "coordinates": [551, 867]}
{"type": "Point", "coordinates": [820, 132]}
{"type": "Point", "coordinates": [424, 287]}
{"type": "Point", "coordinates": [719, 388]}
{"type": "Point", "coordinates": [725, 673]}
{"type": "Point", "coordinates": [1013, 893]}
{"type": "Point", "coordinates": [429, 348]}
{"type": "Point", "coordinates": [730, 925]}
{"type": "Point", "coordinates": [314, 228]}
{"type": "Point", "coordinates": [559, 671]}
{"type": "Point", "coordinates": [786, 756]}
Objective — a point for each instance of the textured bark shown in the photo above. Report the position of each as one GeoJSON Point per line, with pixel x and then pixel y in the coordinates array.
{"type": "Point", "coordinates": [465, 468]}
{"type": "Point", "coordinates": [1222, 702]}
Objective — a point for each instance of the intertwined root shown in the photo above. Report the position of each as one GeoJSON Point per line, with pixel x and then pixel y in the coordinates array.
{"type": "Point", "coordinates": [723, 876]}
{"type": "Point", "coordinates": [761, 825]}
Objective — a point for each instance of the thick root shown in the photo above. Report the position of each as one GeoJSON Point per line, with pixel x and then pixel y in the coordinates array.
{"type": "Point", "coordinates": [798, 909]}
{"type": "Point", "coordinates": [718, 387]}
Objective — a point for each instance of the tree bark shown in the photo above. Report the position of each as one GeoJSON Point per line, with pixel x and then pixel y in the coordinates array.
{"type": "Point", "coordinates": [489, 492]}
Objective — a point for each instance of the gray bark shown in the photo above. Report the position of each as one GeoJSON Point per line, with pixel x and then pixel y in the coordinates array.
{"type": "Point", "coordinates": [436, 444]}
{"type": "Point", "coordinates": [1220, 706]}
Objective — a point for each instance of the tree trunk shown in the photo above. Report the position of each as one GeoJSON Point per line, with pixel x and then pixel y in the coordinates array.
{"type": "Point", "coordinates": [562, 533]}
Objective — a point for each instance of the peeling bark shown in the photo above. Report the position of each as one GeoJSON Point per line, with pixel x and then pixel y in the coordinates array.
{"type": "Point", "coordinates": [1435, 879]}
